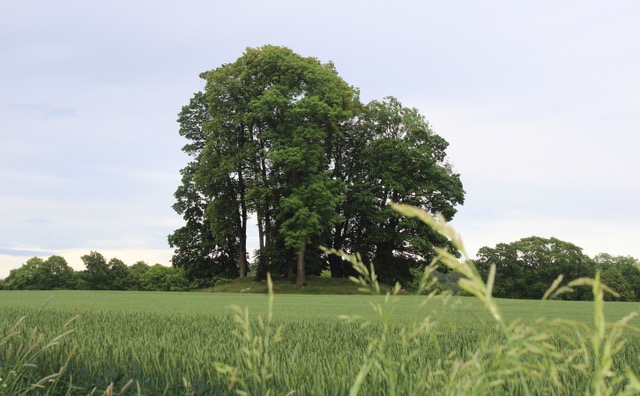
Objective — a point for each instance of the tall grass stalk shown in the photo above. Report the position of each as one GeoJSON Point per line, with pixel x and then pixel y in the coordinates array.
{"type": "Point", "coordinates": [598, 345]}
{"type": "Point", "coordinates": [19, 355]}
{"type": "Point", "coordinates": [253, 373]}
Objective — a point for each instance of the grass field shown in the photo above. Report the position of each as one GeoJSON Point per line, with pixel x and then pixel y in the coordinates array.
{"type": "Point", "coordinates": [169, 343]}
{"type": "Point", "coordinates": [460, 310]}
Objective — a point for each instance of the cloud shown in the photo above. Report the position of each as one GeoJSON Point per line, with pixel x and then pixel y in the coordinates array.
{"type": "Point", "coordinates": [41, 179]}
{"type": "Point", "coordinates": [23, 252]}
{"type": "Point", "coordinates": [43, 110]}
{"type": "Point", "coordinates": [38, 221]}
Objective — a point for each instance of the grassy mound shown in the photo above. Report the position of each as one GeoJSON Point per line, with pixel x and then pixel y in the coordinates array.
{"type": "Point", "coordinates": [315, 285]}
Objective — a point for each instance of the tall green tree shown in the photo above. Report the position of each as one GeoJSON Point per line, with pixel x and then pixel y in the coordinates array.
{"type": "Point", "coordinates": [198, 250]}
{"type": "Point", "coordinates": [225, 164]}
{"type": "Point", "coordinates": [395, 157]}
{"type": "Point", "coordinates": [272, 118]}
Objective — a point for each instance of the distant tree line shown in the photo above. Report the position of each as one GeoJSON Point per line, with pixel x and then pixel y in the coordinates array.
{"type": "Point", "coordinates": [285, 139]}
{"type": "Point", "coordinates": [526, 268]}
{"type": "Point", "coordinates": [55, 273]}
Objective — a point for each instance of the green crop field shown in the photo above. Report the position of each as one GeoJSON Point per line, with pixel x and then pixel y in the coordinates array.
{"type": "Point", "coordinates": [182, 343]}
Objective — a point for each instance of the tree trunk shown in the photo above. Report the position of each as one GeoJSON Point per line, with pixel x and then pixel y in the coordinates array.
{"type": "Point", "coordinates": [384, 259]}
{"type": "Point", "coordinates": [301, 279]}
{"type": "Point", "coordinates": [243, 256]}
{"type": "Point", "coordinates": [243, 243]}
{"type": "Point", "coordinates": [336, 264]}
{"type": "Point", "coordinates": [242, 262]}
{"type": "Point", "coordinates": [260, 232]}
{"type": "Point", "coordinates": [290, 268]}
{"type": "Point", "coordinates": [265, 202]}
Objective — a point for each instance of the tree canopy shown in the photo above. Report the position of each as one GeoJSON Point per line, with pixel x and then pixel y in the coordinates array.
{"type": "Point", "coordinates": [527, 268]}
{"type": "Point", "coordinates": [54, 273]}
{"type": "Point", "coordinates": [622, 274]}
{"type": "Point", "coordinates": [39, 274]}
{"type": "Point", "coordinates": [284, 138]}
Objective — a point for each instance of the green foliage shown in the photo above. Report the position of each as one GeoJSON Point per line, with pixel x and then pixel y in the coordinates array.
{"type": "Point", "coordinates": [553, 356]}
{"type": "Point", "coordinates": [54, 273]}
{"type": "Point", "coordinates": [613, 278]}
{"type": "Point", "coordinates": [196, 249]}
{"type": "Point", "coordinates": [283, 137]}
{"type": "Point", "coordinates": [525, 268]}
{"type": "Point", "coordinates": [39, 274]}
{"type": "Point", "coordinates": [119, 274]}
{"type": "Point", "coordinates": [97, 275]}
{"type": "Point", "coordinates": [162, 278]}
{"type": "Point", "coordinates": [135, 275]}
{"type": "Point", "coordinates": [394, 156]}
{"type": "Point", "coordinates": [628, 268]}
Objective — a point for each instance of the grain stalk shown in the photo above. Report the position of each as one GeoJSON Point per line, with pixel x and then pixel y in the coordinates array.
{"type": "Point", "coordinates": [604, 340]}
{"type": "Point", "coordinates": [254, 371]}
{"type": "Point", "coordinates": [472, 282]}
{"type": "Point", "coordinates": [19, 358]}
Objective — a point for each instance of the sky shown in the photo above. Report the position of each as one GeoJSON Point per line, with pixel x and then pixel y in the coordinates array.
{"type": "Point", "coordinates": [539, 100]}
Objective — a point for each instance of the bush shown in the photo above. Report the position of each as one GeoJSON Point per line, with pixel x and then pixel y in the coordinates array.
{"type": "Point", "coordinates": [161, 278]}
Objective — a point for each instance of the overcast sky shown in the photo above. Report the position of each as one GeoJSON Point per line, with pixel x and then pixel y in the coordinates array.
{"type": "Point", "coordinates": [539, 100]}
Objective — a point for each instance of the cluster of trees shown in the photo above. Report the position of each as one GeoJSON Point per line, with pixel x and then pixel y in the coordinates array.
{"type": "Point", "coordinates": [526, 268]}
{"type": "Point", "coordinates": [100, 274]}
{"type": "Point", "coordinates": [285, 139]}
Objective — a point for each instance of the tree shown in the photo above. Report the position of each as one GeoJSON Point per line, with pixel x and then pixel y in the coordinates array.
{"type": "Point", "coordinates": [58, 272]}
{"type": "Point", "coordinates": [135, 274]}
{"type": "Point", "coordinates": [161, 278]}
{"type": "Point", "coordinates": [273, 116]}
{"type": "Point", "coordinates": [527, 268]}
{"type": "Point", "coordinates": [119, 274]}
{"type": "Point", "coordinates": [629, 269]}
{"type": "Point", "coordinates": [511, 279]}
{"type": "Point", "coordinates": [394, 156]}
{"type": "Point", "coordinates": [613, 278]}
{"type": "Point", "coordinates": [103, 275]}
{"type": "Point", "coordinates": [39, 274]}
{"type": "Point", "coordinates": [197, 249]}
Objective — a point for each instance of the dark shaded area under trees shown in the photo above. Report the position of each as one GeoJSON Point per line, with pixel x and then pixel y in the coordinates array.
{"type": "Point", "coordinates": [284, 138]}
